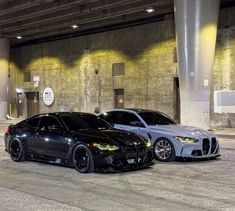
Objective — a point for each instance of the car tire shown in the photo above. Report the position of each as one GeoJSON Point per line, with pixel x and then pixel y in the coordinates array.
{"type": "Point", "coordinates": [16, 150]}
{"type": "Point", "coordinates": [83, 159]}
{"type": "Point", "coordinates": [164, 150]}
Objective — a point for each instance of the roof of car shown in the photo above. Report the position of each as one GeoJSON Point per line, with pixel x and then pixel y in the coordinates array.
{"type": "Point", "coordinates": [71, 113]}
{"type": "Point", "coordinates": [61, 114]}
{"type": "Point", "coordinates": [137, 110]}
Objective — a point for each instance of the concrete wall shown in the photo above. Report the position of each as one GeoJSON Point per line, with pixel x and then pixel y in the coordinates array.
{"type": "Point", "coordinates": [224, 67]}
{"type": "Point", "coordinates": [68, 67]}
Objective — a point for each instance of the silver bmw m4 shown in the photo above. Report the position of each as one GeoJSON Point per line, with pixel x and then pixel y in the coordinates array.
{"type": "Point", "coordinates": [169, 140]}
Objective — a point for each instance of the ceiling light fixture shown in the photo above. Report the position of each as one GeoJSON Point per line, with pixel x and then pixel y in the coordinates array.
{"type": "Point", "coordinates": [149, 9]}
{"type": "Point", "coordinates": [74, 26]}
{"type": "Point", "coordinates": [18, 37]}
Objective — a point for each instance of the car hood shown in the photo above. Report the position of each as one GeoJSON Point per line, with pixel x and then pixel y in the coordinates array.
{"type": "Point", "coordinates": [114, 137]}
{"type": "Point", "coordinates": [181, 130]}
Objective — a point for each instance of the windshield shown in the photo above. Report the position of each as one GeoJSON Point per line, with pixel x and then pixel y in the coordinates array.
{"type": "Point", "coordinates": [84, 122]}
{"type": "Point", "coordinates": [156, 118]}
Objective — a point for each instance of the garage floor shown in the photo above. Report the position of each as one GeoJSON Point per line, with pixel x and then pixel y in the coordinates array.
{"type": "Point", "coordinates": [201, 185]}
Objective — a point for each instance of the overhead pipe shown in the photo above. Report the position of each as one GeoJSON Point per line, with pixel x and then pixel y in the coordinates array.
{"type": "Point", "coordinates": [45, 9]}
{"type": "Point", "coordinates": [72, 15]}
{"type": "Point", "coordinates": [82, 21]}
{"type": "Point", "coordinates": [19, 5]}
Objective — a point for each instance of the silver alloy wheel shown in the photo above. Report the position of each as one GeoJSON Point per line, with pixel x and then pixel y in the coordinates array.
{"type": "Point", "coordinates": [163, 149]}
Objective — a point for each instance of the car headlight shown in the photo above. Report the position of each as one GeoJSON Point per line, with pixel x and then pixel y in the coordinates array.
{"type": "Point", "coordinates": [105, 147]}
{"type": "Point", "coordinates": [149, 144]}
{"type": "Point", "coordinates": [186, 139]}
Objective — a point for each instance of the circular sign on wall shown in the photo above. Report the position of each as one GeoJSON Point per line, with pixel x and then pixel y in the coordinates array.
{"type": "Point", "coordinates": [48, 96]}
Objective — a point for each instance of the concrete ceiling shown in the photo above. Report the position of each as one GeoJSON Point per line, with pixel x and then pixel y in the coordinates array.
{"type": "Point", "coordinates": [41, 20]}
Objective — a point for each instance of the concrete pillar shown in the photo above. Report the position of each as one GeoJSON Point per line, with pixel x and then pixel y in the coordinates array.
{"type": "Point", "coordinates": [4, 58]}
{"type": "Point", "coordinates": [196, 29]}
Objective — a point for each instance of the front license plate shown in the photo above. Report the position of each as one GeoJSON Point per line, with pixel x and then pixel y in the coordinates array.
{"type": "Point", "coordinates": [130, 161]}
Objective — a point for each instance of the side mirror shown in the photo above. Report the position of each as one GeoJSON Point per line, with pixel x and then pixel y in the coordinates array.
{"type": "Point", "coordinates": [136, 124]}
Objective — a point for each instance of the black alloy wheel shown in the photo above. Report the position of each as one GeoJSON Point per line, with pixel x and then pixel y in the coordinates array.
{"type": "Point", "coordinates": [17, 150]}
{"type": "Point", "coordinates": [164, 150]}
{"type": "Point", "coordinates": [83, 160]}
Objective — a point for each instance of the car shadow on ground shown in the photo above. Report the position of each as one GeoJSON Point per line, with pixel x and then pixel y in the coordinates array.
{"type": "Point", "coordinates": [117, 171]}
{"type": "Point", "coordinates": [100, 171]}
{"type": "Point", "coordinates": [183, 161]}
{"type": "Point", "coordinates": [109, 171]}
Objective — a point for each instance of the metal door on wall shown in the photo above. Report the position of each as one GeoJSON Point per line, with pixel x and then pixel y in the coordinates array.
{"type": "Point", "coordinates": [176, 100]}
{"type": "Point", "coordinates": [32, 103]}
{"type": "Point", "coordinates": [119, 98]}
{"type": "Point", "coordinates": [19, 104]}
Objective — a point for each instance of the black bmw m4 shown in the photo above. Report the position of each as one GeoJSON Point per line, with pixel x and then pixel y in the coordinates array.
{"type": "Point", "coordinates": [79, 140]}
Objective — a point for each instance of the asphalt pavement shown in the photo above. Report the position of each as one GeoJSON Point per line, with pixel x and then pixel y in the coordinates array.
{"type": "Point", "coordinates": [179, 185]}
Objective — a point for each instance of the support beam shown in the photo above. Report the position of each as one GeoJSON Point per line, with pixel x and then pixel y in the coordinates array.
{"type": "Point", "coordinates": [196, 29]}
{"type": "Point", "coordinates": [4, 58]}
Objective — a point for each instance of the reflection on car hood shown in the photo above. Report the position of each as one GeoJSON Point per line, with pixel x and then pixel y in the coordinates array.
{"type": "Point", "coordinates": [181, 130]}
{"type": "Point", "coordinates": [114, 137]}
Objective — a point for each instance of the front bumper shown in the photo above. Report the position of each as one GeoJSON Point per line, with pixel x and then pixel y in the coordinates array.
{"type": "Point", "coordinates": [205, 148]}
{"type": "Point", "coordinates": [123, 160]}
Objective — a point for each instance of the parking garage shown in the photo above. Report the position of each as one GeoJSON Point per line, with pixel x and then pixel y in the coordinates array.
{"type": "Point", "coordinates": [175, 57]}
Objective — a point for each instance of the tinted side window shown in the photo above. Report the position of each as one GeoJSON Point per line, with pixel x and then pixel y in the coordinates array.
{"type": "Point", "coordinates": [48, 122]}
{"type": "Point", "coordinates": [113, 117]}
{"type": "Point", "coordinates": [130, 119]}
{"type": "Point", "coordinates": [156, 118]}
{"type": "Point", "coordinates": [120, 117]}
{"type": "Point", "coordinates": [33, 123]}
{"type": "Point", "coordinates": [104, 116]}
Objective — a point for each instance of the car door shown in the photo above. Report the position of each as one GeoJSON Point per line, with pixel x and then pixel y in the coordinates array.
{"type": "Point", "coordinates": [49, 138]}
{"type": "Point", "coordinates": [27, 131]}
